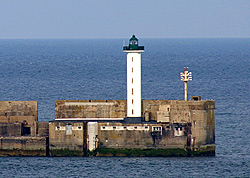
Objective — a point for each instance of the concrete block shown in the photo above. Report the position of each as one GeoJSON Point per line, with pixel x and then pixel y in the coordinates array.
{"type": "Point", "coordinates": [163, 116]}
{"type": "Point", "coordinates": [29, 122]}
{"type": "Point", "coordinates": [10, 129]}
{"type": "Point", "coordinates": [3, 119]}
{"type": "Point", "coordinates": [24, 146]}
{"type": "Point", "coordinates": [43, 128]}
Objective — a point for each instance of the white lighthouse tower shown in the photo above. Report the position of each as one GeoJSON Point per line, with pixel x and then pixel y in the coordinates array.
{"type": "Point", "coordinates": [133, 77]}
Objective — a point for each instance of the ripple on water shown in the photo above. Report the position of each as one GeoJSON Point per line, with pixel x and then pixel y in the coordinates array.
{"type": "Point", "coordinates": [49, 70]}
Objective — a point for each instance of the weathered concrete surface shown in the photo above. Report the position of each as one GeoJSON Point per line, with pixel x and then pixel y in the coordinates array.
{"type": "Point", "coordinates": [24, 146]}
{"type": "Point", "coordinates": [135, 137]}
{"type": "Point", "coordinates": [179, 110]}
{"type": "Point", "coordinates": [10, 129]}
{"type": "Point", "coordinates": [18, 130]}
{"type": "Point", "coordinates": [184, 125]}
{"type": "Point", "coordinates": [90, 109]}
{"type": "Point", "coordinates": [29, 122]}
{"type": "Point", "coordinates": [24, 112]}
{"type": "Point", "coordinates": [18, 108]}
{"type": "Point", "coordinates": [43, 128]}
{"type": "Point", "coordinates": [199, 114]}
{"type": "Point", "coordinates": [67, 138]}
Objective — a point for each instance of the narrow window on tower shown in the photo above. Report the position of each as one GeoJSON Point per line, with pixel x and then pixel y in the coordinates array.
{"type": "Point", "coordinates": [132, 59]}
{"type": "Point", "coordinates": [132, 91]}
{"type": "Point", "coordinates": [132, 80]}
{"type": "Point", "coordinates": [132, 69]}
{"type": "Point", "coordinates": [132, 112]}
{"type": "Point", "coordinates": [132, 101]}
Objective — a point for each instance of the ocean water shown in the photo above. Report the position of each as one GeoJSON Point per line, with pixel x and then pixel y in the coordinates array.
{"type": "Point", "coordinates": [46, 70]}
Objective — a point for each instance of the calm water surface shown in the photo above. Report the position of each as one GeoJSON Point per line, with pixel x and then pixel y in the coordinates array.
{"type": "Point", "coordinates": [49, 70]}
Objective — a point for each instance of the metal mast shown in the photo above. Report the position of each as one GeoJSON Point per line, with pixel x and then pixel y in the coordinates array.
{"type": "Point", "coordinates": [186, 76]}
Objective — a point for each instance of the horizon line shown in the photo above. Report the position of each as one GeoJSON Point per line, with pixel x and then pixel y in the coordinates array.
{"type": "Point", "coordinates": [72, 38]}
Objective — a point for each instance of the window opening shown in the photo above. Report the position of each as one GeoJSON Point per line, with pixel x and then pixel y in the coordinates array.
{"type": "Point", "coordinates": [157, 130]}
{"type": "Point", "coordinates": [68, 129]}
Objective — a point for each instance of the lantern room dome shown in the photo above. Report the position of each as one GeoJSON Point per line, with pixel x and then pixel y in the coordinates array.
{"type": "Point", "coordinates": [133, 44]}
{"type": "Point", "coordinates": [133, 40]}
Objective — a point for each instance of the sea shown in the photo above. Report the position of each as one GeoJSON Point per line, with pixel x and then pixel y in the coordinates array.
{"type": "Point", "coordinates": [46, 70]}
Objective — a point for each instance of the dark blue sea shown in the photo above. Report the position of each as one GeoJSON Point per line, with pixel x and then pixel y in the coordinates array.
{"type": "Point", "coordinates": [46, 70]}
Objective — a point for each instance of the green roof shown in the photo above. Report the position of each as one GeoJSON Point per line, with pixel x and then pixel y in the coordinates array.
{"type": "Point", "coordinates": [133, 44]}
{"type": "Point", "coordinates": [133, 38]}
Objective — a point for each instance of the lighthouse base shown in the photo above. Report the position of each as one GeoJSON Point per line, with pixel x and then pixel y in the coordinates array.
{"type": "Point", "coordinates": [133, 120]}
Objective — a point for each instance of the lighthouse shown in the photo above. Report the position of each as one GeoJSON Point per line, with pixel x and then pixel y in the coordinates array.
{"type": "Point", "coordinates": [133, 51]}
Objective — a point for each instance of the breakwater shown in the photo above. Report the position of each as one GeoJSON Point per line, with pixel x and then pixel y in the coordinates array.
{"type": "Point", "coordinates": [101, 128]}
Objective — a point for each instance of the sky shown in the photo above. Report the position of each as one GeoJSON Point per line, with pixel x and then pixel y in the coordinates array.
{"type": "Point", "coordinates": [27, 19]}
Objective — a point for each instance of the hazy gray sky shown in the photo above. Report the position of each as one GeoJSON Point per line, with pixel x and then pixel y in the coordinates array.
{"type": "Point", "coordinates": [121, 18]}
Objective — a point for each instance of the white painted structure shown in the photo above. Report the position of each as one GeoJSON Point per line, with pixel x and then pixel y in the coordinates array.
{"type": "Point", "coordinates": [133, 77]}
{"type": "Point", "coordinates": [131, 128]}
{"type": "Point", "coordinates": [133, 84]}
{"type": "Point", "coordinates": [92, 135]}
{"type": "Point", "coordinates": [185, 77]}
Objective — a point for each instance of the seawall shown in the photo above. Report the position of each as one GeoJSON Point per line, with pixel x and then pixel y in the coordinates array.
{"type": "Point", "coordinates": [101, 128]}
{"type": "Point", "coordinates": [24, 146]}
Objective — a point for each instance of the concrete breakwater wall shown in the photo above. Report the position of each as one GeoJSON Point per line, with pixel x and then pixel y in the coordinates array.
{"type": "Point", "coordinates": [101, 128]}
{"type": "Point", "coordinates": [24, 146]}
{"type": "Point", "coordinates": [19, 132]}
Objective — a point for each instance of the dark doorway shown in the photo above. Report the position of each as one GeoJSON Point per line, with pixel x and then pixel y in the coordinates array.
{"type": "Point", "coordinates": [26, 130]}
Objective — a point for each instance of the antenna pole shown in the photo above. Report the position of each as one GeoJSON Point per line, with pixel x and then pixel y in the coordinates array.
{"type": "Point", "coordinates": [185, 77]}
